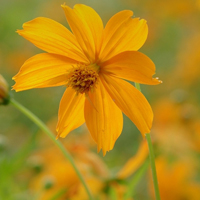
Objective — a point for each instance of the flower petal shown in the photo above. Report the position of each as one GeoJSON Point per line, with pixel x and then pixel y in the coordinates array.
{"type": "Point", "coordinates": [111, 27]}
{"type": "Point", "coordinates": [87, 27]}
{"type": "Point", "coordinates": [133, 66]}
{"type": "Point", "coordinates": [71, 112]}
{"type": "Point", "coordinates": [52, 37]}
{"type": "Point", "coordinates": [43, 70]}
{"type": "Point", "coordinates": [131, 101]}
{"type": "Point", "coordinates": [128, 35]}
{"type": "Point", "coordinates": [103, 118]}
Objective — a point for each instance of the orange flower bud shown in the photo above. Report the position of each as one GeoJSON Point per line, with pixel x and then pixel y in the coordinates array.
{"type": "Point", "coordinates": [4, 92]}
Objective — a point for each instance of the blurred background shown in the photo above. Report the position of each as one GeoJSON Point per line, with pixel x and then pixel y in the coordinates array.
{"type": "Point", "coordinates": [32, 168]}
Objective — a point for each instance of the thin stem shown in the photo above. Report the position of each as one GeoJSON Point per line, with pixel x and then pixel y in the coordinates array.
{"type": "Point", "coordinates": [43, 127]}
{"type": "Point", "coordinates": [152, 159]}
{"type": "Point", "coordinates": [153, 166]}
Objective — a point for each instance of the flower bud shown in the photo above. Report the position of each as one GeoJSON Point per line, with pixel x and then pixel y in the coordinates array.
{"type": "Point", "coordinates": [4, 91]}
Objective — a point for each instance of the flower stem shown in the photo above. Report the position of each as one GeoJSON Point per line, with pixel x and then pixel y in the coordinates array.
{"type": "Point", "coordinates": [43, 127]}
{"type": "Point", "coordinates": [153, 166]}
{"type": "Point", "coordinates": [152, 159]}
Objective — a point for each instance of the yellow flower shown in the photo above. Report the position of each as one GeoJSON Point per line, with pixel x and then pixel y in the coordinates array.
{"type": "Point", "coordinates": [183, 186]}
{"type": "Point", "coordinates": [91, 61]}
{"type": "Point", "coordinates": [60, 179]}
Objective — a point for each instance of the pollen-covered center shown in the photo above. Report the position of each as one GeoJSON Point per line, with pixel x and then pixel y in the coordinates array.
{"type": "Point", "coordinates": [82, 78]}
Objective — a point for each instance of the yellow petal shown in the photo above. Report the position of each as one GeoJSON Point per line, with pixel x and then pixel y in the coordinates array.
{"type": "Point", "coordinates": [87, 27]}
{"type": "Point", "coordinates": [111, 27]}
{"type": "Point", "coordinates": [43, 70]}
{"type": "Point", "coordinates": [52, 37]}
{"type": "Point", "coordinates": [103, 118]}
{"type": "Point", "coordinates": [129, 35]}
{"type": "Point", "coordinates": [131, 101]}
{"type": "Point", "coordinates": [71, 112]}
{"type": "Point", "coordinates": [133, 66]}
{"type": "Point", "coordinates": [135, 162]}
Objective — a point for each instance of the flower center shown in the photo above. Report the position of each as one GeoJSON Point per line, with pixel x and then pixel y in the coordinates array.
{"type": "Point", "coordinates": [83, 78]}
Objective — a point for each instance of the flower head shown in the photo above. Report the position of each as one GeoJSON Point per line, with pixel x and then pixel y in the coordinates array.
{"type": "Point", "coordinates": [92, 62]}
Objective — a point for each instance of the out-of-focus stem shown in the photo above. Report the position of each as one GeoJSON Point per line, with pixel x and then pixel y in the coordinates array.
{"type": "Point", "coordinates": [153, 166]}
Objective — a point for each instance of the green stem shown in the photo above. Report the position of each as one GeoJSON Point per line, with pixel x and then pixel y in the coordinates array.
{"type": "Point", "coordinates": [152, 159]}
{"type": "Point", "coordinates": [43, 127]}
{"type": "Point", "coordinates": [153, 166]}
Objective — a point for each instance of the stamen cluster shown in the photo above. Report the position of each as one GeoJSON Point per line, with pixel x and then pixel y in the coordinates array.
{"type": "Point", "coordinates": [82, 79]}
